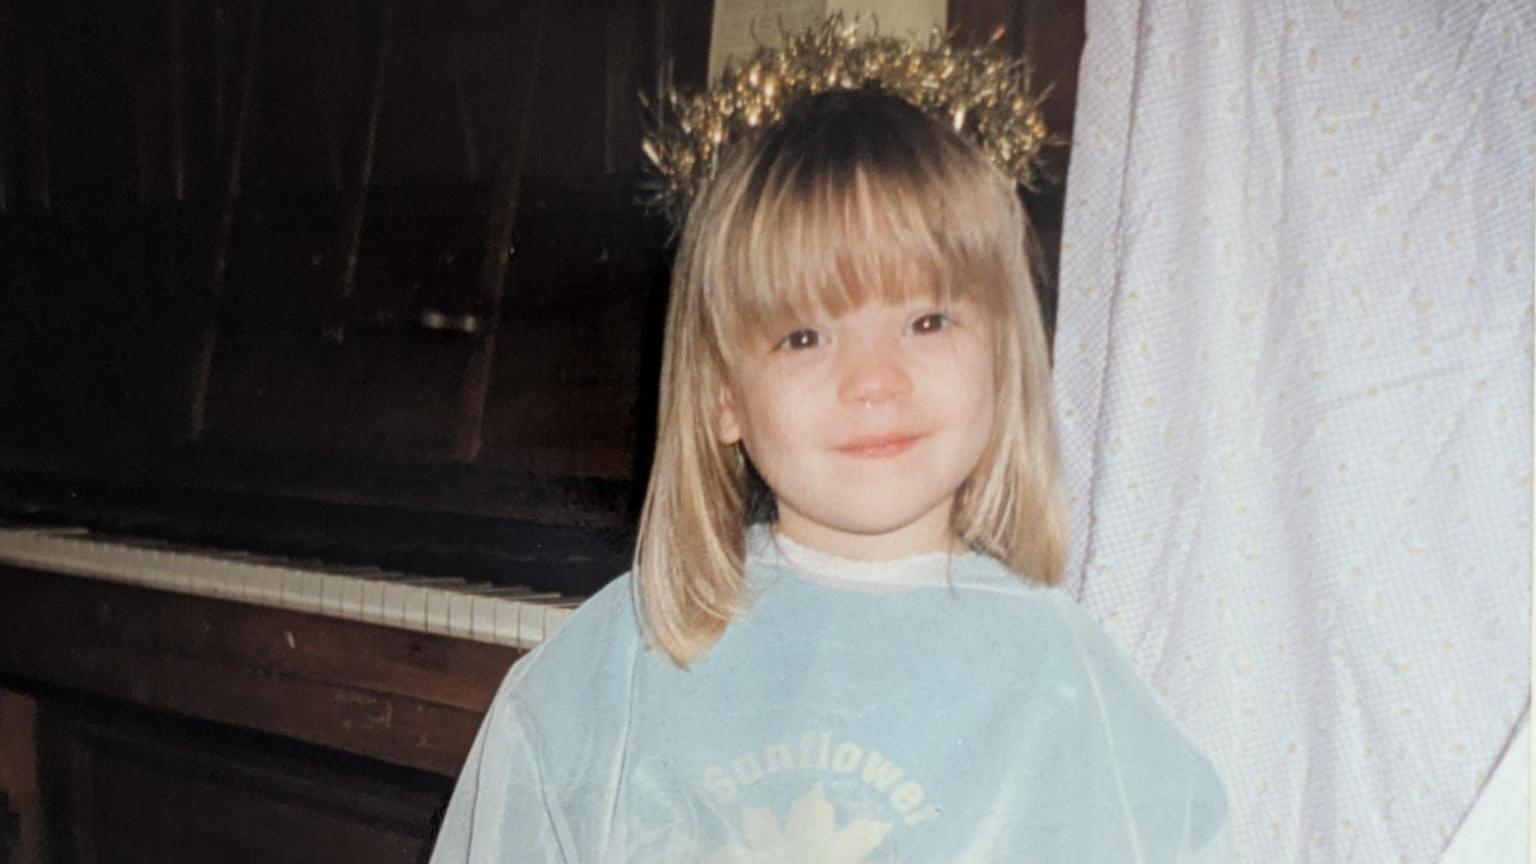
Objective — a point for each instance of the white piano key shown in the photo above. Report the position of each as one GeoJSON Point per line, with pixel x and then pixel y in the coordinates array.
{"type": "Point", "coordinates": [126, 566]}
{"type": "Point", "coordinates": [437, 612]}
{"type": "Point", "coordinates": [247, 585]}
{"type": "Point", "coordinates": [146, 567]}
{"type": "Point", "coordinates": [351, 596]}
{"type": "Point", "coordinates": [212, 581]}
{"type": "Point", "coordinates": [293, 585]}
{"type": "Point", "coordinates": [394, 602]}
{"type": "Point", "coordinates": [331, 600]}
{"type": "Point", "coordinates": [208, 581]}
{"type": "Point", "coordinates": [268, 582]}
{"type": "Point", "coordinates": [530, 623]}
{"type": "Point", "coordinates": [544, 605]}
{"type": "Point", "coordinates": [181, 572]}
{"type": "Point", "coordinates": [460, 613]}
{"type": "Point", "coordinates": [506, 622]}
{"type": "Point", "coordinates": [482, 620]}
{"type": "Point", "coordinates": [114, 568]}
{"type": "Point", "coordinates": [373, 606]}
{"type": "Point", "coordinates": [415, 605]}
{"type": "Point", "coordinates": [215, 582]}
{"type": "Point", "coordinates": [311, 591]}
{"type": "Point", "coordinates": [557, 615]}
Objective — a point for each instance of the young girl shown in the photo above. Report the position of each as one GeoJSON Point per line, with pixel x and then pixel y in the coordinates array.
{"type": "Point", "coordinates": [874, 671]}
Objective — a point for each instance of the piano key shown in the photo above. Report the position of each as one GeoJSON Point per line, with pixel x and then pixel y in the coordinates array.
{"type": "Point", "coordinates": [437, 611]}
{"type": "Point", "coordinates": [460, 614]}
{"type": "Point", "coordinates": [530, 620]}
{"type": "Point", "coordinates": [292, 586]}
{"type": "Point", "coordinates": [394, 602]}
{"type": "Point", "coordinates": [416, 608]}
{"type": "Point", "coordinates": [351, 596]}
{"type": "Point", "coordinates": [331, 601]}
{"type": "Point", "coordinates": [508, 614]}
{"type": "Point", "coordinates": [372, 608]}
{"type": "Point", "coordinates": [505, 624]}
{"type": "Point", "coordinates": [482, 619]}
{"type": "Point", "coordinates": [557, 615]}
{"type": "Point", "coordinates": [268, 584]}
{"type": "Point", "coordinates": [310, 594]}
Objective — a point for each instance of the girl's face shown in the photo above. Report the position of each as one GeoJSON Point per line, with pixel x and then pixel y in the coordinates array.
{"type": "Point", "coordinates": [865, 425]}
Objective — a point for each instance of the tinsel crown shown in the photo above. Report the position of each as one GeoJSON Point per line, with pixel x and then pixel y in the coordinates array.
{"type": "Point", "coordinates": [982, 93]}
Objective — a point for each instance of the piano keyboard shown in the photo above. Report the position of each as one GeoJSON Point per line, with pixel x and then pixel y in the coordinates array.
{"type": "Point", "coordinates": [444, 605]}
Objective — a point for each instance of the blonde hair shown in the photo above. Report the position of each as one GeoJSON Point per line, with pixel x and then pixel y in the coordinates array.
{"type": "Point", "coordinates": [854, 195]}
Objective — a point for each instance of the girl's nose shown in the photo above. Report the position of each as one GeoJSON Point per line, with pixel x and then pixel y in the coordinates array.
{"type": "Point", "coordinates": [874, 377]}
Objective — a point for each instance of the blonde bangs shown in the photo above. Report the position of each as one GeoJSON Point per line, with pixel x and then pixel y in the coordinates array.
{"type": "Point", "coordinates": [821, 230]}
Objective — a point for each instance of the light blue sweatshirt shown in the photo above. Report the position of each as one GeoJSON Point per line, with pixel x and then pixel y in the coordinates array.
{"type": "Point", "coordinates": [934, 709]}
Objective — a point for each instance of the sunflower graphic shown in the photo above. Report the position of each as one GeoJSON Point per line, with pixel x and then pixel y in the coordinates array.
{"type": "Point", "coordinates": [809, 835]}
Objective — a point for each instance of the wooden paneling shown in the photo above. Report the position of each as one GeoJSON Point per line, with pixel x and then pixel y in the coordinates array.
{"type": "Point", "coordinates": [125, 786]}
{"type": "Point", "coordinates": [374, 397]}
{"type": "Point", "coordinates": [1051, 35]}
{"type": "Point", "coordinates": [96, 337]}
{"type": "Point", "coordinates": [296, 231]}
{"type": "Point", "coordinates": [20, 802]}
{"type": "Point", "coordinates": [570, 377]}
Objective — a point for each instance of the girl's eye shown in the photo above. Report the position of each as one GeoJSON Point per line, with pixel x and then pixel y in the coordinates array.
{"type": "Point", "coordinates": [933, 322]}
{"type": "Point", "coordinates": [800, 340]}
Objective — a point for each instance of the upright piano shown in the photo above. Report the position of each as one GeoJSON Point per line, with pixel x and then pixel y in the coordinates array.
{"type": "Point", "coordinates": [191, 703]}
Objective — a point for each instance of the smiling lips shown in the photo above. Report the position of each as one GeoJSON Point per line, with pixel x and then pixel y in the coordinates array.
{"type": "Point", "coordinates": [878, 446]}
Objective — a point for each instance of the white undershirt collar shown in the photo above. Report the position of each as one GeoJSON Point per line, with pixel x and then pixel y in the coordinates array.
{"type": "Point", "coordinates": [766, 546]}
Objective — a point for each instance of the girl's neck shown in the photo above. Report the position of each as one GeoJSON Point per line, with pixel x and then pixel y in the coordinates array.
{"type": "Point", "coordinates": [931, 535]}
{"type": "Point", "coordinates": [765, 544]}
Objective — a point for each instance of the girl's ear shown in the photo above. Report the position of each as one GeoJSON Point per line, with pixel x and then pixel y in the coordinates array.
{"type": "Point", "coordinates": [727, 425]}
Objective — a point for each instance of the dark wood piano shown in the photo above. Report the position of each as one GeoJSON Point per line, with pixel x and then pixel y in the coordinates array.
{"type": "Point", "coordinates": [328, 340]}
{"type": "Point", "coordinates": [189, 702]}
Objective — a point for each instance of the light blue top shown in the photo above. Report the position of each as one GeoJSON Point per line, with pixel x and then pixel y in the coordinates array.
{"type": "Point", "coordinates": [934, 709]}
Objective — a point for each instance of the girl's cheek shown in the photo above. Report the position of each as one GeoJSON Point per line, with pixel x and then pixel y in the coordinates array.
{"type": "Point", "coordinates": [792, 374]}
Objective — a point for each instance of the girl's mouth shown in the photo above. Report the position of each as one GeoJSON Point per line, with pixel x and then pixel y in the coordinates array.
{"type": "Point", "coordinates": [878, 446]}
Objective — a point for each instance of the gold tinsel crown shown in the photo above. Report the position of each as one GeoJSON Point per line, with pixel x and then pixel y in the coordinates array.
{"type": "Point", "coordinates": [983, 94]}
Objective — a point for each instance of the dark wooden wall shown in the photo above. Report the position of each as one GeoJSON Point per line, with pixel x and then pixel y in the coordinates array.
{"type": "Point", "coordinates": [279, 235]}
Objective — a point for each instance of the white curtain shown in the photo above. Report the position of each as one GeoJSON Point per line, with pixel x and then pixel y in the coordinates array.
{"type": "Point", "coordinates": [1293, 376]}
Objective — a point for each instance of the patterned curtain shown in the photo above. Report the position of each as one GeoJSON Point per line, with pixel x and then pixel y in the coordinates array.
{"type": "Point", "coordinates": [1293, 376]}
